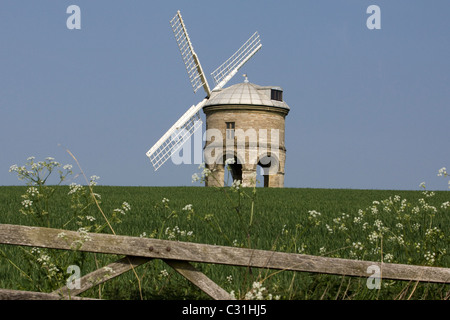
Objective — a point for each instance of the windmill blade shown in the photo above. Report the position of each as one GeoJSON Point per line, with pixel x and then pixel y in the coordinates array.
{"type": "Point", "coordinates": [176, 136]}
{"type": "Point", "coordinates": [229, 68]}
{"type": "Point", "coordinates": [190, 59]}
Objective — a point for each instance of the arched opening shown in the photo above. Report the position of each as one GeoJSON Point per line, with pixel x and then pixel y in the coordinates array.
{"type": "Point", "coordinates": [233, 170]}
{"type": "Point", "coordinates": [268, 165]}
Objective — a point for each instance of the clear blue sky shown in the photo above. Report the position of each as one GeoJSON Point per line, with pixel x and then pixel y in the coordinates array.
{"type": "Point", "coordinates": [370, 109]}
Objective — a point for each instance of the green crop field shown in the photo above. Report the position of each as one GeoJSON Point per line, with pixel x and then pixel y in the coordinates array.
{"type": "Point", "coordinates": [394, 226]}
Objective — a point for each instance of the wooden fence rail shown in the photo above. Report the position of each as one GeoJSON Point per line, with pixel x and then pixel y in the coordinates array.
{"type": "Point", "coordinates": [178, 255]}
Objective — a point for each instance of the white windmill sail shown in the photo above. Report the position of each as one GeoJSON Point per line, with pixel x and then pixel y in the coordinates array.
{"type": "Point", "coordinates": [178, 134]}
{"type": "Point", "coordinates": [229, 68]}
{"type": "Point", "coordinates": [193, 67]}
{"type": "Point", "coordinates": [190, 122]}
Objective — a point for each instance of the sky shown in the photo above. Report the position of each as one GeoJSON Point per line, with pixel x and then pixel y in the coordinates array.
{"type": "Point", "coordinates": [369, 108]}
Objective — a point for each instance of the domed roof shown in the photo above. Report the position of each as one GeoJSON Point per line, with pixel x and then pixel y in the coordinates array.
{"type": "Point", "coordinates": [247, 93]}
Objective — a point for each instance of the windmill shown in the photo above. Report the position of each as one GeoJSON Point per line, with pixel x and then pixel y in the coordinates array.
{"type": "Point", "coordinates": [191, 121]}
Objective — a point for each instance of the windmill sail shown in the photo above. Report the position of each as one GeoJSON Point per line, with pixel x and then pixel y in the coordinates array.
{"type": "Point", "coordinates": [176, 136]}
{"type": "Point", "coordinates": [229, 68]}
{"type": "Point", "coordinates": [193, 67]}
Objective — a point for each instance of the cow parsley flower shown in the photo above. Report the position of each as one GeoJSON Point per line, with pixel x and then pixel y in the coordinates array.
{"type": "Point", "coordinates": [237, 184]}
{"type": "Point", "coordinates": [27, 203]}
{"type": "Point", "coordinates": [195, 177]}
{"type": "Point", "coordinates": [430, 257]}
{"type": "Point", "coordinates": [74, 188]}
{"type": "Point", "coordinates": [388, 257]}
{"type": "Point", "coordinates": [314, 213]}
{"type": "Point", "coordinates": [229, 161]}
{"type": "Point", "coordinates": [109, 270]}
{"type": "Point", "coordinates": [93, 180]}
{"type": "Point", "coordinates": [442, 172]}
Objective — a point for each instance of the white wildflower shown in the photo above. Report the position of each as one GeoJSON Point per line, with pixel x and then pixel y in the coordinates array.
{"type": "Point", "coordinates": [126, 206]}
{"type": "Point", "coordinates": [434, 232]}
{"type": "Point", "coordinates": [164, 273]}
{"type": "Point", "coordinates": [314, 213]}
{"type": "Point", "coordinates": [74, 188]}
{"type": "Point", "coordinates": [27, 203]}
{"type": "Point", "coordinates": [195, 177]}
{"type": "Point", "coordinates": [236, 184]}
{"type": "Point", "coordinates": [123, 209]}
{"type": "Point", "coordinates": [33, 191]}
{"type": "Point", "coordinates": [442, 172]}
{"type": "Point", "coordinates": [430, 257]}
{"type": "Point", "coordinates": [118, 210]}
{"type": "Point", "coordinates": [230, 161]}
{"type": "Point", "coordinates": [83, 232]}
{"type": "Point", "coordinates": [357, 220]}
{"type": "Point", "coordinates": [400, 240]}
{"type": "Point", "coordinates": [93, 180]}
{"type": "Point", "coordinates": [388, 257]}
{"type": "Point", "coordinates": [62, 235]}
{"type": "Point", "coordinates": [257, 292]}
{"type": "Point", "coordinates": [374, 210]}
{"type": "Point", "coordinates": [373, 237]}
{"type": "Point", "coordinates": [44, 259]}
{"type": "Point", "coordinates": [379, 224]}
{"type": "Point", "coordinates": [109, 270]}
{"type": "Point", "coordinates": [445, 205]}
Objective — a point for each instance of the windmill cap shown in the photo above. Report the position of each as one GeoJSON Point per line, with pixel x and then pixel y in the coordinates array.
{"type": "Point", "coordinates": [247, 93]}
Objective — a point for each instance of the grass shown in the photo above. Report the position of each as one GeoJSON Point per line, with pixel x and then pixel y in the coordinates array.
{"type": "Point", "coordinates": [281, 220]}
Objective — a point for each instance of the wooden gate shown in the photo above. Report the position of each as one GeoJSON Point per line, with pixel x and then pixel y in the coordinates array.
{"type": "Point", "coordinates": [178, 255]}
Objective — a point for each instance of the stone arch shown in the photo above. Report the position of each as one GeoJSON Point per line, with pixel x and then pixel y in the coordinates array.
{"type": "Point", "coordinates": [269, 165]}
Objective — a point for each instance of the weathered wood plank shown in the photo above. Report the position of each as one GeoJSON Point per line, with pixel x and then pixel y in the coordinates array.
{"type": "Point", "coordinates": [101, 275]}
{"type": "Point", "coordinates": [6, 294]}
{"type": "Point", "coordinates": [164, 249]}
{"type": "Point", "coordinates": [198, 278]}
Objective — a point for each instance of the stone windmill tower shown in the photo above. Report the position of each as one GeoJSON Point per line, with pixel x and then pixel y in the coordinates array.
{"type": "Point", "coordinates": [245, 129]}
